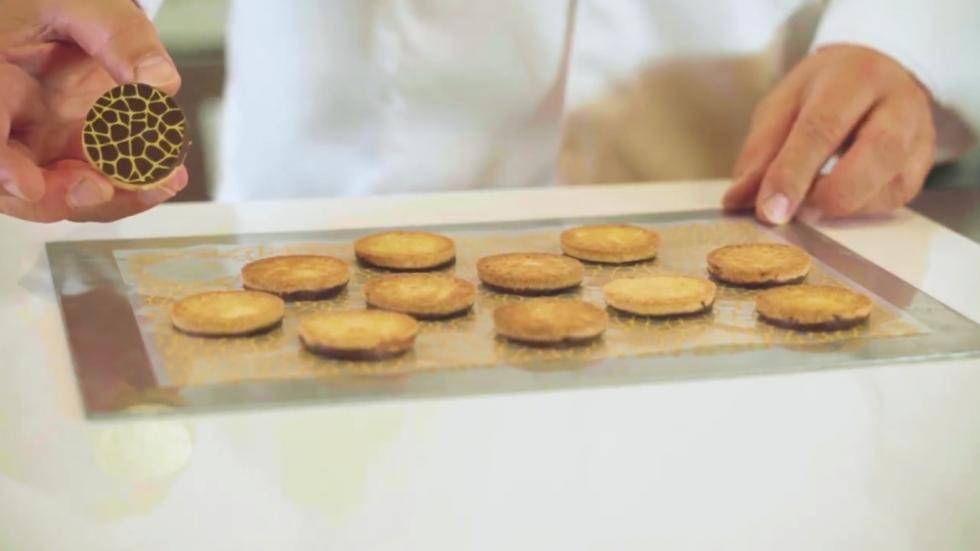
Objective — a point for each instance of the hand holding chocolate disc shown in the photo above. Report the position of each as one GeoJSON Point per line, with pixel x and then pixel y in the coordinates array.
{"type": "Point", "coordinates": [136, 135]}
{"type": "Point", "coordinates": [56, 59]}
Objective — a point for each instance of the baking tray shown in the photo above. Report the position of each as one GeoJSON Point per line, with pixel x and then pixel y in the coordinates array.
{"type": "Point", "coordinates": [115, 298]}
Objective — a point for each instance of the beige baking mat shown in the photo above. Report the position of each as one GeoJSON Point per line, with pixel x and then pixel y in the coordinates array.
{"type": "Point", "coordinates": [161, 276]}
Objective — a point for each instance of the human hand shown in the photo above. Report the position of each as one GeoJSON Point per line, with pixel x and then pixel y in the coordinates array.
{"type": "Point", "coordinates": [838, 96]}
{"type": "Point", "coordinates": [56, 58]}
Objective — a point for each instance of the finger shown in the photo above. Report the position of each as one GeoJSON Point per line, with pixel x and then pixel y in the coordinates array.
{"type": "Point", "coordinates": [50, 207]}
{"type": "Point", "coordinates": [43, 211]}
{"type": "Point", "coordinates": [20, 99]}
{"type": "Point", "coordinates": [120, 36]}
{"type": "Point", "coordinates": [61, 178]}
{"type": "Point", "coordinates": [19, 176]}
{"type": "Point", "coordinates": [32, 57]}
{"type": "Point", "coordinates": [82, 186]}
{"type": "Point", "coordinates": [879, 153]}
{"type": "Point", "coordinates": [128, 203]}
{"type": "Point", "coordinates": [66, 185]}
{"type": "Point", "coordinates": [771, 123]}
{"type": "Point", "coordinates": [829, 113]}
{"type": "Point", "coordinates": [907, 183]}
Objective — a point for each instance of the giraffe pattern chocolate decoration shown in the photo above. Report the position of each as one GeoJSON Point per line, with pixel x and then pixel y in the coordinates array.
{"type": "Point", "coordinates": [136, 135]}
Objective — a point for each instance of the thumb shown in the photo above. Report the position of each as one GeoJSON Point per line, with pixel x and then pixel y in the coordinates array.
{"type": "Point", "coordinates": [120, 37]}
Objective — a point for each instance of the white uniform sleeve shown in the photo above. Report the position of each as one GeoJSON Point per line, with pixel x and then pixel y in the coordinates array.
{"type": "Point", "coordinates": [936, 40]}
{"type": "Point", "coordinates": [151, 7]}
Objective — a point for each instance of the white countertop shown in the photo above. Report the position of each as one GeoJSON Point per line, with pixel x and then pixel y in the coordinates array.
{"type": "Point", "coordinates": [878, 458]}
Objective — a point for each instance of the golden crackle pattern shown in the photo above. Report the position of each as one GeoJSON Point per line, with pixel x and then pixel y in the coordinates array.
{"type": "Point", "coordinates": [135, 134]}
{"type": "Point", "coordinates": [162, 276]}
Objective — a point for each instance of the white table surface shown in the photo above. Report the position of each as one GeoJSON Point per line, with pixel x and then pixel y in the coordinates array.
{"type": "Point", "coordinates": [878, 458]}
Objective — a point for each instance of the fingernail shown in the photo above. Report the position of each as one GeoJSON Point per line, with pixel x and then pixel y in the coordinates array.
{"type": "Point", "coordinates": [12, 189]}
{"type": "Point", "coordinates": [829, 165]}
{"type": "Point", "coordinates": [776, 209]}
{"type": "Point", "coordinates": [156, 71]}
{"type": "Point", "coordinates": [156, 196]}
{"type": "Point", "coordinates": [810, 215]}
{"type": "Point", "coordinates": [88, 193]}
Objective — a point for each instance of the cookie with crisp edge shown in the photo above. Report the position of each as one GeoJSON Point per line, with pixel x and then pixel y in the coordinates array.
{"type": "Point", "coordinates": [660, 296]}
{"type": "Point", "coordinates": [227, 313]}
{"type": "Point", "coordinates": [550, 321]}
{"type": "Point", "coordinates": [758, 265]}
{"type": "Point", "coordinates": [405, 250]}
{"type": "Point", "coordinates": [358, 334]}
{"type": "Point", "coordinates": [136, 136]}
{"type": "Point", "coordinates": [425, 296]}
{"type": "Point", "coordinates": [611, 243]}
{"type": "Point", "coordinates": [530, 273]}
{"type": "Point", "coordinates": [813, 307]}
{"type": "Point", "coordinates": [297, 277]}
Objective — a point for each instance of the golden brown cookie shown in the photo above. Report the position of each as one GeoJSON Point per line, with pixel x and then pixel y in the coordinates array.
{"type": "Point", "coordinates": [550, 321]}
{"type": "Point", "coordinates": [227, 313]}
{"type": "Point", "coordinates": [425, 296]}
{"type": "Point", "coordinates": [136, 135]}
{"type": "Point", "coordinates": [813, 307]}
{"type": "Point", "coordinates": [359, 334]}
{"type": "Point", "coordinates": [405, 250]}
{"type": "Point", "coordinates": [660, 295]}
{"type": "Point", "coordinates": [610, 243]}
{"type": "Point", "coordinates": [530, 273]}
{"type": "Point", "coordinates": [297, 277]}
{"type": "Point", "coordinates": [759, 264]}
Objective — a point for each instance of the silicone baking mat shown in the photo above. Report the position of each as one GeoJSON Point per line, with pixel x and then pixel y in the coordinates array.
{"type": "Point", "coordinates": [116, 298]}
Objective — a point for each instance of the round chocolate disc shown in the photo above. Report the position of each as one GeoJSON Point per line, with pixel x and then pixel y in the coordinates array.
{"type": "Point", "coordinates": [136, 135]}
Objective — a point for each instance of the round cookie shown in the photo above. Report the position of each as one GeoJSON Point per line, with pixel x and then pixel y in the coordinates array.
{"type": "Point", "coordinates": [660, 295]}
{"type": "Point", "coordinates": [610, 243]}
{"type": "Point", "coordinates": [759, 264]}
{"type": "Point", "coordinates": [425, 296]}
{"type": "Point", "coordinates": [358, 334]}
{"type": "Point", "coordinates": [405, 250]}
{"type": "Point", "coordinates": [813, 307]}
{"type": "Point", "coordinates": [136, 135]}
{"type": "Point", "coordinates": [530, 273]}
{"type": "Point", "coordinates": [550, 321]}
{"type": "Point", "coordinates": [227, 313]}
{"type": "Point", "coordinates": [297, 277]}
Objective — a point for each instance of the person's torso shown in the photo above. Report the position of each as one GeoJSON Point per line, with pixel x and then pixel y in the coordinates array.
{"type": "Point", "coordinates": [343, 98]}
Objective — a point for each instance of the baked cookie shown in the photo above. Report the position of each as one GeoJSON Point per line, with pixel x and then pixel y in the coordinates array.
{"type": "Point", "coordinates": [227, 313]}
{"type": "Point", "coordinates": [136, 135]}
{"type": "Point", "coordinates": [425, 296]}
{"type": "Point", "coordinates": [610, 243]}
{"type": "Point", "coordinates": [405, 250]}
{"type": "Point", "coordinates": [297, 277]}
{"type": "Point", "coordinates": [530, 273]}
{"type": "Point", "coordinates": [358, 334]}
{"type": "Point", "coordinates": [759, 264]}
{"type": "Point", "coordinates": [550, 321]}
{"type": "Point", "coordinates": [660, 295]}
{"type": "Point", "coordinates": [813, 307]}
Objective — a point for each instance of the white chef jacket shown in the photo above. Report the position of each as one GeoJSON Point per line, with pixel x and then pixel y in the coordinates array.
{"type": "Point", "coordinates": [350, 97]}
